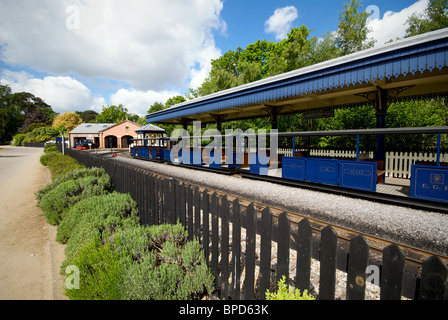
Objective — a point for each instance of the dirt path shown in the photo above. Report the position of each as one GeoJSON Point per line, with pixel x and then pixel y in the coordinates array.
{"type": "Point", "coordinates": [29, 256]}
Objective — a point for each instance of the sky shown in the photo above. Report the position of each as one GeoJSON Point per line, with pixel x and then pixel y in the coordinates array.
{"type": "Point", "coordinates": [85, 54]}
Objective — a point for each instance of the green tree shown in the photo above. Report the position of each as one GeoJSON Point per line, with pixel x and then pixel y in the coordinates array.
{"type": "Point", "coordinates": [352, 29]}
{"type": "Point", "coordinates": [325, 49]}
{"type": "Point", "coordinates": [254, 60]}
{"type": "Point", "coordinates": [87, 116]}
{"type": "Point", "coordinates": [416, 113]}
{"type": "Point", "coordinates": [219, 80]}
{"type": "Point", "coordinates": [434, 18]}
{"type": "Point", "coordinates": [113, 114]}
{"type": "Point", "coordinates": [174, 100]}
{"type": "Point", "coordinates": [360, 117]}
{"type": "Point", "coordinates": [35, 110]}
{"type": "Point", "coordinates": [11, 117]}
{"type": "Point", "coordinates": [157, 106]}
{"type": "Point", "coordinates": [297, 49]}
{"type": "Point", "coordinates": [67, 122]}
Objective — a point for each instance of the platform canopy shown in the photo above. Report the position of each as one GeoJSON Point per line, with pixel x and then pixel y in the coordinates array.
{"type": "Point", "coordinates": [412, 67]}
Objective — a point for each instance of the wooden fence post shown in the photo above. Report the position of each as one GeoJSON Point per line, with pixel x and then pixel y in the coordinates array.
{"type": "Point", "coordinates": [189, 197]}
{"type": "Point", "coordinates": [328, 253]}
{"type": "Point", "coordinates": [284, 234]}
{"type": "Point", "coordinates": [224, 214]}
{"type": "Point", "coordinates": [215, 231]}
{"type": "Point", "coordinates": [304, 240]}
{"type": "Point", "coordinates": [265, 252]}
{"type": "Point", "coordinates": [206, 225]}
{"type": "Point", "coordinates": [433, 280]}
{"type": "Point", "coordinates": [236, 249]}
{"type": "Point", "coordinates": [357, 265]}
{"type": "Point", "coordinates": [251, 222]}
{"type": "Point", "coordinates": [392, 273]}
{"type": "Point", "coordinates": [197, 213]}
{"type": "Point", "coordinates": [183, 213]}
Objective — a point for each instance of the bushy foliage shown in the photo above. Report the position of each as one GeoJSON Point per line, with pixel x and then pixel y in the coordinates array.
{"type": "Point", "coordinates": [283, 293]}
{"type": "Point", "coordinates": [50, 147]}
{"type": "Point", "coordinates": [56, 201]}
{"type": "Point", "coordinates": [17, 140]}
{"type": "Point", "coordinates": [71, 175]}
{"type": "Point", "coordinates": [118, 258]}
{"type": "Point", "coordinates": [100, 270]}
{"type": "Point", "coordinates": [99, 212]}
{"type": "Point", "coordinates": [42, 134]}
{"type": "Point", "coordinates": [121, 259]}
{"type": "Point", "coordinates": [60, 164]}
{"type": "Point", "coordinates": [165, 266]}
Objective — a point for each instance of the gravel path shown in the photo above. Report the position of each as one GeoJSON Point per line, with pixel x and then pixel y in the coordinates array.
{"type": "Point", "coordinates": [421, 229]}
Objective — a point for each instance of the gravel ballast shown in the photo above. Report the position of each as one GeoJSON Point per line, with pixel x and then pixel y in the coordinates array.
{"type": "Point", "coordinates": [421, 229]}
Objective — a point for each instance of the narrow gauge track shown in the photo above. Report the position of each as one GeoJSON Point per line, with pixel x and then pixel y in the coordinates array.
{"type": "Point", "coordinates": [413, 256]}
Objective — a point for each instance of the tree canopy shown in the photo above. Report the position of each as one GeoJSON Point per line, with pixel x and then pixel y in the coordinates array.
{"type": "Point", "coordinates": [434, 18]}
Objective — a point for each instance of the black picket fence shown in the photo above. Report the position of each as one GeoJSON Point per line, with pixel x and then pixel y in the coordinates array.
{"type": "Point", "coordinates": [34, 144]}
{"type": "Point", "coordinates": [249, 249]}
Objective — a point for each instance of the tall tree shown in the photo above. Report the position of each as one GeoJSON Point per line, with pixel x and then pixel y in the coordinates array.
{"type": "Point", "coordinates": [157, 106]}
{"type": "Point", "coordinates": [87, 116]}
{"type": "Point", "coordinates": [67, 122]}
{"type": "Point", "coordinates": [352, 29]}
{"type": "Point", "coordinates": [35, 110]}
{"type": "Point", "coordinates": [297, 49]}
{"type": "Point", "coordinates": [174, 100]}
{"type": "Point", "coordinates": [11, 117]}
{"type": "Point", "coordinates": [113, 114]}
{"type": "Point", "coordinates": [434, 18]}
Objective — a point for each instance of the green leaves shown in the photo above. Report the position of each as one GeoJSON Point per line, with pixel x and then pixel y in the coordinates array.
{"type": "Point", "coordinates": [284, 293]}
{"type": "Point", "coordinates": [352, 29]}
{"type": "Point", "coordinates": [435, 17]}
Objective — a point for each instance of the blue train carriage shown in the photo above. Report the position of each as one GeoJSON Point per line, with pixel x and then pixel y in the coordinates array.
{"type": "Point", "coordinates": [361, 175]}
{"type": "Point", "coordinates": [429, 181]}
{"type": "Point", "coordinates": [151, 149]}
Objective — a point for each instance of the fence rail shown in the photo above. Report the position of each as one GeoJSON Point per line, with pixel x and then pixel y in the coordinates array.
{"type": "Point", "coordinates": [34, 144]}
{"type": "Point", "coordinates": [397, 164]}
{"type": "Point", "coordinates": [239, 242]}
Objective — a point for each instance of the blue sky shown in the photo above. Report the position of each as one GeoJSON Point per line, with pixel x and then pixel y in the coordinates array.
{"type": "Point", "coordinates": [83, 54]}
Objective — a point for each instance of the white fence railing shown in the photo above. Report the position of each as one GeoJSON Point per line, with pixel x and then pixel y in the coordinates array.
{"type": "Point", "coordinates": [397, 164]}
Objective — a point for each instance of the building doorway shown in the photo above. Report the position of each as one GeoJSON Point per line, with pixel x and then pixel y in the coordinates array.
{"type": "Point", "coordinates": [111, 142]}
{"type": "Point", "coordinates": [126, 141]}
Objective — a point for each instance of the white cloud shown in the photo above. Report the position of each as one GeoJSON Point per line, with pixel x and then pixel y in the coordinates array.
{"type": "Point", "coordinates": [149, 44]}
{"type": "Point", "coordinates": [281, 21]}
{"type": "Point", "coordinates": [61, 93]}
{"type": "Point", "coordinates": [393, 24]}
{"type": "Point", "coordinates": [138, 102]}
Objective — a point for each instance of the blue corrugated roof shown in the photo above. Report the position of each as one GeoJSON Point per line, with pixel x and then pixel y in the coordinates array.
{"type": "Point", "coordinates": [410, 56]}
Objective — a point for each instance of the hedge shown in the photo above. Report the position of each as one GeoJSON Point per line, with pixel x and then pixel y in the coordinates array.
{"type": "Point", "coordinates": [117, 257]}
{"type": "Point", "coordinates": [57, 201]}
{"type": "Point", "coordinates": [60, 164]}
{"type": "Point", "coordinates": [71, 175]}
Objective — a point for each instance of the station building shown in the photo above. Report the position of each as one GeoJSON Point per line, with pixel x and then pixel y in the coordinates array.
{"type": "Point", "coordinates": [105, 135]}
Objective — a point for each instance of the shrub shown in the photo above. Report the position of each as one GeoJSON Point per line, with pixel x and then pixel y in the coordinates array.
{"type": "Point", "coordinates": [60, 164]}
{"type": "Point", "coordinates": [42, 134]}
{"type": "Point", "coordinates": [55, 202]}
{"type": "Point", "coordinates": [71, 175]}
{"type": "Point", "coordinates": [50, 148]}
{"type": "Point", "coordinates": [17, 140]}
{"type": "Point", "coordinates": [136, 262]}
{"type": "Point", "coordinates": [44, 158]}
{"type": "Point", "coordinates": [93, 212]}
{"type": "Point", "coordinates": [100, 270]}
{"type": "Point", "coordinates": [164, 265]}
{"type": "Point", "coordinates": [284, 294]}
